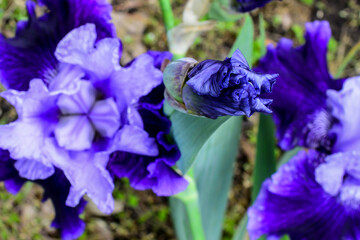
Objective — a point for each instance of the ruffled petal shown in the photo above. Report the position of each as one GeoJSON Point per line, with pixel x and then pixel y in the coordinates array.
{"type": "Point", "coordinates": [293, 203]}
{"type": "Point", "coordinates": [31, 53]}
{"type": "Point", "coordinates": [128, 135]}
{"type": "Point", "coordinates": [33, 170]}
{"type": "Point", "coordinates": [344, 107]}
{"type": "Point", "coordinates": [87, 174]}
{"type": "Point", "coordinates": [168, 181]}
{"type": "Point", "coordinates": [83, 53]}
{"type": "Point", "coordinates": [300, 93]}
{"type": "Point", "coordinates": [136, 80]}
{"type": "Point", "coordinates": [74, 133]}
{"type": "Point", "coordinates": [67, 218]}
{"type": "Point", "coordinates": [105, 117]}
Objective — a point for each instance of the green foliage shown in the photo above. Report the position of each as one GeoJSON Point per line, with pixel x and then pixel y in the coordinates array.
{"type": "Point", "coordinates": [265, 163]}
{"type": "Point", "coordinates": [298, 32]}
{"type": "Point", "coordinates": [191, 133]}
{"type": "Point", "coordinates": [241, 233]}
{"type": "Point", "coordinates": [308, 2]}
{"type": "Point", "coordinates": [220, 10]}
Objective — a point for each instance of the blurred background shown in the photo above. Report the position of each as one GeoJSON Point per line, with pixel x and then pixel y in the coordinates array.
{"type": "Point", "coordinates": [141, 214]}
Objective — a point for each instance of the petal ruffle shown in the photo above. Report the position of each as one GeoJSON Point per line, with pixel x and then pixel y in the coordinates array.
{"type": "Point", "coordinates": [31, 53]}
{"type": "Point", "coordinates": [344, 107]}
{"type": "Point", "coordinates": [293, 203]}
{"type": "Point", "coordinates": [300, 93]}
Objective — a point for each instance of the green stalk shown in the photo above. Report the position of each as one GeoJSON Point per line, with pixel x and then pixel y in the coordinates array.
{"type": "Point", "coordinates": [167, 13]}
{"type": "Point", "coordinates": [190, 199]}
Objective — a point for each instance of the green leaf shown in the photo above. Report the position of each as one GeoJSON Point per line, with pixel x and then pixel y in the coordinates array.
{"type": "Point", "coordinates": [220, 10]}
{"type": "Point", "coordinates": [245, 39]}
{"type": "Point", "coordinates": [265, 163]}
{"type": "Point", "coordinates": [262, 35]}
{"type": "Point", "coordinates": [241, 232]}
{"type": "Point", "coordinates": [190, 134]}
{"type": "Point", "coordinates": [213, 171]}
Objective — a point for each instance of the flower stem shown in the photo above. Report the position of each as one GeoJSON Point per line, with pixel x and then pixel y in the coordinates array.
{"type": "Point", "coordinates": [167, 13]}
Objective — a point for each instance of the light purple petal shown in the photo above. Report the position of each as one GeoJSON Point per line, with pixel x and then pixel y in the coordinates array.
{"type": "Point", "coordinates": [75, 132]}
{"type": "Point", "coordinates": [34, 170]}
{"type": "Point", "coordinates": [80, 102]}
{"type": "Point", "coordinates": [134, 140]}
{"type": "Point", "coordinates": [67, 79]}
{"type": "Point", "coordinates": [105, 117]}
{"type": "Point", "coordinates": [105, 55]}
{"type": "Point", "coordinates": [137, 80]}
{"type": "Point", "coordinates": [344, 107]}
{"type": "Point", "coordinates": [87, 174]}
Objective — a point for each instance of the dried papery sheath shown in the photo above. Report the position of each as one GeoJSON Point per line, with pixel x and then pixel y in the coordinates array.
{"type": "Point", "coordinates": [214, 88]}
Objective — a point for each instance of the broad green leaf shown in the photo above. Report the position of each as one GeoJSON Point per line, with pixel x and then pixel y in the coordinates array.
{"type": "Point", "coordinates": [265, 163]}
{"type": "Point", "coordinates": [190, 134]}
{"type": "Point", "coordinates": [245, 39]}
{"type": "Point", "coordinates": [213, 172]}
{"type": "Point", "coordinates": [220, 10]}
{"type": "Point", "coordinates": [241, 232]}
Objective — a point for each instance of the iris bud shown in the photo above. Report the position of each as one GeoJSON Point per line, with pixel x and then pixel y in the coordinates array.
{"type": "Point", "coordinates": [214, 88]}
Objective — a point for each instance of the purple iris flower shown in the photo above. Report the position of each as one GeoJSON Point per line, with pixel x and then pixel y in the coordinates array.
{"type": "Point", "coordinates": [314, 196]}
{"type": "Point", "coordinates": [76, 105]}
{"type": "Point", "coordinates": [317, 195]}
{"type": "Point", "coordinates": [56, 188]}
{"type": "Point", "coordinates": [152, 172]}
{"type": "Point", "coordinates": [248, 5]}
{"type": "Point", "coordinates": [30, 54]}
{"type": "Point", "coordinates": [214, 88]}
{"type": "Point", "coordinates": [299, 105]}
{"type": "Point", "coordinates": [75, 120]}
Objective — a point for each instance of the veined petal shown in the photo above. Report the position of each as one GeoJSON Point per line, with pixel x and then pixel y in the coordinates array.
{"type": "Point", "coordinates": [344, 108]}
{"type": "Point", "coordinates": [300, 93]}
{"type": "Point", "coordinates": [87, 174]}
{"type": "Point", "coordinates": [136, 80]}
{"type": "Point", "coordinates": [84, 53]}
{"type": "Point", "coordinates": [292, 202]}
{"type": "Point", "coordinates": [105, 117]}
{"type": "Point", "coordinates": [74, 132]}
{"type": "Point", "coordinates": [34, 170]}
{"type": "Point", "coordinates": [133, 139]}
{"type": "Point", "coordinates": [31, 53]}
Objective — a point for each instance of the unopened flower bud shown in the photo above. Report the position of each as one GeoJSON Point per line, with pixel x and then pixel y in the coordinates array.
{"type": "Point", "coordinates": [214, 88]}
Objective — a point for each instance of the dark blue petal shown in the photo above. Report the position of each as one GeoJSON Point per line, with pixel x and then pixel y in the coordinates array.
{"type": "Point", "coordinates": [248, 5]}
{"type": "Point", "coordinates": [299, 104]}
{"type": "Point", "coordinates": [293, 203]}
{"type": "Point", "coordinates": [67, 218]}
{"type": "Point", "coordinates": [31, 53]}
